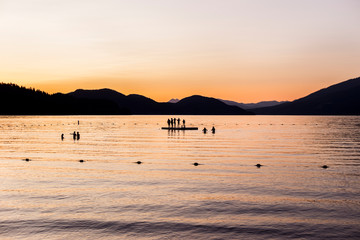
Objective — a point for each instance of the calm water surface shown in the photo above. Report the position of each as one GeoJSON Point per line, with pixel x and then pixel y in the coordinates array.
{"type": "Point", "coordinates": [109, 196]}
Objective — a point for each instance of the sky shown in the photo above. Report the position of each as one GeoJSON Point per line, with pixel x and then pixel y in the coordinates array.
{"type": "Point", "coordinates": [240, 50]}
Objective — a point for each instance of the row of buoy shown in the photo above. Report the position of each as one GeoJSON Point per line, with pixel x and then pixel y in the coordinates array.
{"type": "Point", "coordinates": [260, 165]}
{"type": "Point", "coordinates": [157, 124]}
{"type": "Point", "coordinates": [195, 163]}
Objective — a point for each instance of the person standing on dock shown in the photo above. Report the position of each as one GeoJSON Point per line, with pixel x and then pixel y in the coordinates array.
{"type": "Point", "coordinates": [178, 120]}
{"type": "Point", "coordinates": [168, 122]}
{"type": "Point", "coordinates": [74, 135]}
{"type": "Point", "coordinates": [184, 123]}
{"type": "Point", "coordinates": [172, 123]}
{"type": "Point", "coordinates": [77, 136]}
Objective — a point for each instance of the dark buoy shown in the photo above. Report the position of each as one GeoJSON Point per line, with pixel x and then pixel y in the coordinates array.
{"type": "Point", "coordinates": [325, 167]}
{"type": "Point", "coordinates": [195, 164]}
{"type": "Point", "coordinates": [27, 160]}
{"type": "Point", "coordinates": [258, 165]}
{"type": "Point", "coordinates": [139, 162]}
{"type": "Point", "coordinates": [81, 160]}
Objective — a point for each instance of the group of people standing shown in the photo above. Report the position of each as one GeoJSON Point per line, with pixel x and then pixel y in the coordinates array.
{"type": "Point", "coordinates": [76, 136]}
{"type": "Point", "coordinates": [172, 122]}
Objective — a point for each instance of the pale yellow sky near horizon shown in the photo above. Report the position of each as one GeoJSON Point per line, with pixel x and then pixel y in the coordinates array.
{"type": "Point", "coordinates": [245, 50]}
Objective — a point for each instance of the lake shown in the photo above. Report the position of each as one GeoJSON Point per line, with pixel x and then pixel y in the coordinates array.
{"type": "Point", "coordinates": [110, 196]}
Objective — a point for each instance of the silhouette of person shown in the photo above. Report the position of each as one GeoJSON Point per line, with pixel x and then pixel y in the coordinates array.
{"type": "Point", "coordinates": [178, 121]}
{"type": "Point", "coordinates": [174, 119]}
{"type": "Point", "coordinates": [62, 136]}
{"type": "Point", "coordinates": [184, 123]}
{"type": "Point", "coordinates": [168, 122]}
{"type": "Point", "coordinates": [77, 136]}
{"type": "Point", "coordinates": [213, 129]}
{"type": "Point", "coordinates": [172, 123]}
{"type": "Point", "coordinates": [204, 130]}
{"type": "Point", "coordinates": [78, 122]}
{"type": "Point", "coordinates": [74, 135]}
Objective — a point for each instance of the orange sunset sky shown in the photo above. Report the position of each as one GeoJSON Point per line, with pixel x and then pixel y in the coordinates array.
{"type": "Point", "coordinates": [241, 50]}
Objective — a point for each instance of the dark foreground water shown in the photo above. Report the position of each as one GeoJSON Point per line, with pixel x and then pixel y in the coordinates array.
{"type": "Point", "coordinates": [109, 196]}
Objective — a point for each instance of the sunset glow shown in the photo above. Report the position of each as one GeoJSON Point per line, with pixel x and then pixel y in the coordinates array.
{"type": "Point", "coordinates": [244, 51]}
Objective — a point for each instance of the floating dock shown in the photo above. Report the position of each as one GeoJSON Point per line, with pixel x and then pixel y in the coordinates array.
{"type": "Point", "coordinates": [179, 128]}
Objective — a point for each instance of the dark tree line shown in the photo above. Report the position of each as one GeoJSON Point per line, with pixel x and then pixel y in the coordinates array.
{"type": "Point", "coordinates": [18, 100]}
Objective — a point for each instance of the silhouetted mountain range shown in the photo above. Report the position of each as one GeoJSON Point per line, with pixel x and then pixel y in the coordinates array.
{"type": "Point", "coordinates": [246, 106]}
{"type": "Point", "coordinates": [137, 104]}
{"type": "Point", "coordinates": [16, 100]}
{"type": "Point", "coordinates": [339, 99]}
{"type": "Point", "coordinates": [249, 106]}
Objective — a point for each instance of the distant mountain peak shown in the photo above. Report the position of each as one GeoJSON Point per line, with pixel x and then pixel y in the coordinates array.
{"type": "Point", "coordinates": [173, 100]}
{"type": "Point", "coordinates": [253, 105]}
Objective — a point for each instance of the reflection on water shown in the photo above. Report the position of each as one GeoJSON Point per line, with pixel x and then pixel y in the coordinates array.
{"type": "Point", "coordinates": [110, 196]}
